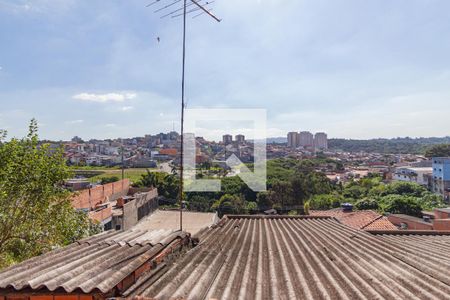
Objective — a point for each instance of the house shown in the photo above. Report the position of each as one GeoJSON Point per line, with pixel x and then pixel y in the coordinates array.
{"type": "Point", "coordinates": [438, 220]}
{"type": "Point", "coordinates": [441, 176]}
{"type": "Point", "coordinates": [419, 175]}
{"type": "Point", "coordinates": [361, 219]}
{"type": "Point", "coordinates": [129, 210]}
{"type": "Point", "coordinates": [169, 152]}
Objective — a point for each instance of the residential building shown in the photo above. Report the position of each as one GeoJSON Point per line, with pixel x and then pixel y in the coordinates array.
{"type": "Point", "coordinates": [129, 210]}
{"type": "Point", "coordinates": [227, 139]}
{"type": "Point", "coordinates": [413, 174]}
{"type": "Point", "coordinates": [292, 139]}
{"type": "Point", "coordinates": [439, 220]}
{"type": "Point", "coordinates": [240, 138]}
{"type": "Point", "coordinates": [441, 176]}
{"type": "Point", "coordinates": [97, 201]}
{"type": "Point", "coordinates": [172, 152]}
{"type": "Point", "coordinates": [306, 139]}
{"type": "Point", "coordinates": [321, 141]}
{"type": "Point", "coordinates": [360, 219]}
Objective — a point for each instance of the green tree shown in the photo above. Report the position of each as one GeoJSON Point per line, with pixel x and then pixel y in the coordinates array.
{"type": "Point", "coordinates": [367, 203]}
{"type": "Point", "coordinates": [306, 207]}
{"type": "Point", "coordinates": [250, 207]}
{"type": "Point", "coordinates": [281, 194]}
{"type": "Point", "coordinates": [324, 201]}
{"type": "Point", "coordinates": [229, 204]}
{"type": "Point", "coordinates": [398, 204]}
{"type": "Point", "coordinates": [442, 150]}
{"type": "Point", "coordinates": [429, 201]}
{"type": "Point", "coordinates": [35, 211]}
{"type": "Point", "coordinates": [264, 200]}
{"type": "Point", "coordinates": [199, 203]}
{"type": "Point", "coordinates": [167, 184]}
{"type": "Point", "coordinates": [404, 189]}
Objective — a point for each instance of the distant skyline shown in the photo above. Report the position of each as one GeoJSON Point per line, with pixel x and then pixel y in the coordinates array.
{"type": "Point", "coordinates": [354, 69]}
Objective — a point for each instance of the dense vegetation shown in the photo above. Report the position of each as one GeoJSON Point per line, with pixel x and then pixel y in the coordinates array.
{"type": "Point", "coordinates": [167, 184]}
{"type": "Point", "coordinates": [295, 186]}
{"type": "Point", "coordinates": [35, 212]}
{"type": "Point", "coordinates": [441, 150]}
{"type": "Point", "coordinates": [388, 146]}
{"type": "Point", "coordinates": [106, 180]}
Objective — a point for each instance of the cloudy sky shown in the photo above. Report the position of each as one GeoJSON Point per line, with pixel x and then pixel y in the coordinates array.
{"type": "Point", "coordinates": [352, 68]}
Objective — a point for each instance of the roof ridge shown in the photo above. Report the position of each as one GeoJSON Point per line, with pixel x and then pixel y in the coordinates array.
{"type": "Point", "coordinates": [373, 221]}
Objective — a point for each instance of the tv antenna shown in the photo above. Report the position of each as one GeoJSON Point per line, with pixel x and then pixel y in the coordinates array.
{"type": "Point", "coordinates": [172, 9]}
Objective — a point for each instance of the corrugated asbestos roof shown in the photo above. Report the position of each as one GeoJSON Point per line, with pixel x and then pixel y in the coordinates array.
{"type": "Point", "coordinates": [296, 258]}
{"type": "Point", "coordinates": [96, 263]}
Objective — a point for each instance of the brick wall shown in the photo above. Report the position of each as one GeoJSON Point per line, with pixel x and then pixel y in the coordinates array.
{"type": "Point", "coordinates": [441, 214]}
{"type": "Point", "coordinates": [108, 189]}
{"type": "Point", "coordinates": [412, 224]}
{"type": "Point", "coordinates": [102, 214]}
{"type": "Point", "coordinates": [97, 196]}
{"type": "Point", "coordinates": [88, 199]}
{"type": "Point", "coordinates": [81, 199]}
{"type": "Point", "coordinates": [443, 224]}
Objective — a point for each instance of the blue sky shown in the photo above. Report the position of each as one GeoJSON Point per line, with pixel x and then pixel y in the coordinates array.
{"type": "Point", "coordinates": [352, 68]}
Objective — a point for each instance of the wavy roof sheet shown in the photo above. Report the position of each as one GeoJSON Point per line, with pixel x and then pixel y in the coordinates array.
{"type": "Point", "coordinates": [97, 263]}
{"type": "Point", "coordinates": [296, 258]}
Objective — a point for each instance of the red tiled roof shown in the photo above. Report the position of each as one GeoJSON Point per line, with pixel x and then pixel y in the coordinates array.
{"type": "Point", "coordinates": [357, 219]}
{"type": "Point", "coordinates": [381, 224]}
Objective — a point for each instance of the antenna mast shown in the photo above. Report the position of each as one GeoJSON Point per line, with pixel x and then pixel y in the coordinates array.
{"type": "Point", "coordinates": [198, 6]}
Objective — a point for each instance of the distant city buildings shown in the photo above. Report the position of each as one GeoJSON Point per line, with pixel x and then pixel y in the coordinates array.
{"type": "Point", "coordinates": [292, 139]}
{"type": "Point", "coordinates": [321, 141]}
{"type": "Point", "coordinates": [240, 138]}
{"type": "Point", "coordinates": [77, 139]}
{"type": "Point", "coordinates": [307, 140]}
{"type": "Point", "coordinates": [227, 139]}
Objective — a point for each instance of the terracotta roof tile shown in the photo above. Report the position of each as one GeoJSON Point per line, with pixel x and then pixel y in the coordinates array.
{"type": "Point", "coordinates": [359, 219]}
{"type": "Point", "coordinates": [381, 224]}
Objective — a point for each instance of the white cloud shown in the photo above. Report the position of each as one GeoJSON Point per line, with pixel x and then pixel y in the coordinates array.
{"type": "Point", "coordinates": [75, 122]}
{"type": "Point", "coordinates": [127, 108]}
{"type": "Point", "coordinates": [110, 125]}
{"type": "Point", "coordinates": [103, 98]}
{"type": "Point", "coordinates": [37, 6]}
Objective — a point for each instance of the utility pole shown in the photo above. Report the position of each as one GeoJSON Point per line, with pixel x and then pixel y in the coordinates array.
{"type": "Point", "coordinates": [123, 167]}
{"type": "Point", "coordinates": [198, 6]}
